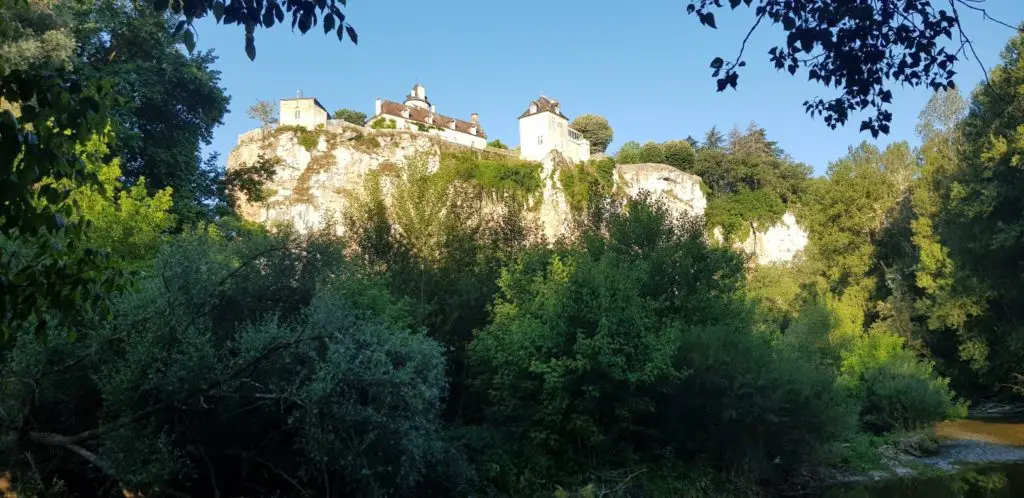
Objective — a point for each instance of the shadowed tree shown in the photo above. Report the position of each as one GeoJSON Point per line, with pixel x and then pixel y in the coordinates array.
{"type": "Point", "coordinates": [859, 47]}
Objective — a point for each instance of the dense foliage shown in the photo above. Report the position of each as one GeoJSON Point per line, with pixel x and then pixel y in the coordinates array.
{"type": "Point", "coordinates": [595, 129]}
{"type": "Point", "coordinates": [152, 343]}
{"type": "Point", "coordinates": [350, 116]}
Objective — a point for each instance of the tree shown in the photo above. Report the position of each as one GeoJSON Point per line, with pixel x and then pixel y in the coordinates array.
{"type": "Point", "coordinates": [652, 152]}
{"type": "Point", "coordinates": [680, 154]}
{"type": "Point", "coordinates": [629, 153]}
{"type": "Point", "coordinates": [351, 116]}
{"type": "Point", "coordinates": [861, 50]}
{"type": "Point", "coordinates": [713, 139]}
{"type": "Point", "coordinates": [263, 111]}
{"type": "Point", "coordinates": [245, 355]}
{"type": "Point", "coordinates": [975, 185]}
{"type": "Point", "coordinates": [595, 129]}
{"type": "Point", "coordinates": [162, 118]}
{"type": "Point", "coordinates": [631, 344]}
{"type": "Point", "coordinates": [497, 144]}
{"type": "Point", "coordinates": [48, 110]}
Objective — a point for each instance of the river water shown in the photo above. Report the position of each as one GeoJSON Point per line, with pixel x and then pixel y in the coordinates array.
{"type": "Point", "coordinates": [989, 456]}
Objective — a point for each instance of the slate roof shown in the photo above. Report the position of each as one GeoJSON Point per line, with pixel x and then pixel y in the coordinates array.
{"type": "Point", "coordinates": [544, 104]}
{"type": "Point", "coordinates": [315, 101]}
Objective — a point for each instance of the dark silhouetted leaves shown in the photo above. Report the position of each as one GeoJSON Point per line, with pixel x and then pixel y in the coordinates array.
{"type": "Point", "coordinates": [857, 47]}
{"type": "Point", "coordinates": [263, 13]}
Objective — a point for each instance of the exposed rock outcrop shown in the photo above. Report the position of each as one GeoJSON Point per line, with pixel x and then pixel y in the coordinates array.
{"type": "Point", "coordinates": [310, 186]}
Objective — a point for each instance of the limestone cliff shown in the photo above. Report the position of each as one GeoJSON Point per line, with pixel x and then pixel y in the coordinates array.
{"type": "Point", "coordinates": [313, 177]}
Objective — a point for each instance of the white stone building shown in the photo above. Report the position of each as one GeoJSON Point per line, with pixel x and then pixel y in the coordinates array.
{"type": "Point", "coordinates": [543, 128]}
{"type": "Point", "coordinates": [302, 111]}
{"type": "Point", "coordinates": [418, 114]}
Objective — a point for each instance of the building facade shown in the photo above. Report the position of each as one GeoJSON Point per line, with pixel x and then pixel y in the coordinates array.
{"type": "Point", "coordinates": [302, 111]}
{"type": "Point", "coordinates": [543, 128]}
{"type": "Point", "coordinates": [418, 114]}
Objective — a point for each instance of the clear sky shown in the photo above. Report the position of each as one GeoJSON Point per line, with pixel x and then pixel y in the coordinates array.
{"type": "Point", "coordinates": [643, 65]}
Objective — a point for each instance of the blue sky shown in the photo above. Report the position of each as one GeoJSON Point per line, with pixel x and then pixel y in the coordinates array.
{"type": "Point", "coordinates": [643, 65]}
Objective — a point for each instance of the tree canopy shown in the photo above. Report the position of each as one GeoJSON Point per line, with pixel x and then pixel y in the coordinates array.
{"type": "Point", "coordinates": [595, 129]}
{"type": "Point", "coordinates": [351, 116]}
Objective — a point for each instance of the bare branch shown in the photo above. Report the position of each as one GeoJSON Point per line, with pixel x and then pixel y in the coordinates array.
{"type": "Point", "coordinates": [743, 46]}
{"type": "Point", "coordinates": [986, 16]}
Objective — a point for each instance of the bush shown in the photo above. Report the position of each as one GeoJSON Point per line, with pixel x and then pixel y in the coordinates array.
{"type": "Point", "coordinates": [633, 344]}
{"type": "Point", "coordinates": [384, 124]}
{"type": "Point", "coordinates": [587, 183]}
{"type": "Point", "coordinates": [736, 212]}
{"type": "Point", "coordinates": [262, 363]}
{"type": "Point", "coordinates": [897, 391]}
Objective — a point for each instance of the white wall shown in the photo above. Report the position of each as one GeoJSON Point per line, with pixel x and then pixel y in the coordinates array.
{"type": "Point", "coordinates": [310, 114]}
{"type": "Point", "coordinates": [536, 136]}
{"type": "Point", "coordinates": [554, 133]}
{"type": "Point", "coordinates": [446, 133]}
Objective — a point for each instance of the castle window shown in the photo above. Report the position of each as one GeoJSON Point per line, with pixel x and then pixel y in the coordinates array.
{"type": "Point", "coordinates": [540, 139]}
{"type": "Point", "coordinates": [296, 114]}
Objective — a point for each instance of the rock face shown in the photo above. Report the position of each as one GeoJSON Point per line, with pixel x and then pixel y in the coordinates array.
{"type": "Point", "coordinates": [680, 191]}
{"type": "Point", "coordinates": [780, 243]}
{"type": "Point", "coordinates": [310, 186]}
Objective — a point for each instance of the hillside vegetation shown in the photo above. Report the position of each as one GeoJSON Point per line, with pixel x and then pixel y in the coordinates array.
{"type": "Point", "coordinates": [154, 344]}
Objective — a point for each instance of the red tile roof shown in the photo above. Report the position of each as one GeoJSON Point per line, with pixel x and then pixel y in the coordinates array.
{"type": "Point", "coordinates": [420, 115]}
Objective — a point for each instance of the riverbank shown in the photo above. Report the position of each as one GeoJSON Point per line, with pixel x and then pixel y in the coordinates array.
{"type": "Point", "coordinates": [955, 448]}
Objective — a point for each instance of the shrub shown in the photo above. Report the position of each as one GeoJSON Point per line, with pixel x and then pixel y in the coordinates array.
{"type": "Point", "coordinates": [633, 344]}
{"type": "Point", "coordinates": [497, 144]}
{"type": "Point", "coordinates": [587, 182]}
{"type": "Point", "coordinates": [255, 363]}
{"type": "Point", "coordinates": [496, 176]}
{"type": "Point", "coordinates": [384, 124]}
{"type": "Point", "coordinates": [736, 212]}
{"type": "Point", "coordinates": [897, 391]}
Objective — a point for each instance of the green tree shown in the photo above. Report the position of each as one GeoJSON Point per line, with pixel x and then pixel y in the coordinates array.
{"type": "Point", "coordinates": [497, 144]}
{"type": "Point", "coordinates": [680, 154]}
{"type": "Point", "coordinates": [256, 361]}
{"type": "Point", "coordinates": [632, 344]}
{"type": "Point", "coordinates": [713, 139]}
{"type": "Point", "coordinates": [351, 116]}
{"type": "Point", "coordinates": [162, 119]}
{"type": "Point", "coordinates": [971, 205]}
{"type": "Point", "coordinates": [629, 153]}
{"type": "Point", "coordinates": [595, 129]}
{"type": "Point", "coordinates": [652, 152]}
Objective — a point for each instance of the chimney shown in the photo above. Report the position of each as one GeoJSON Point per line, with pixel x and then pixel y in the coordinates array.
{"type": "Point", "coordinates": [474, 118]}
{"type": "Point", "coordinates": [377, 107]}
